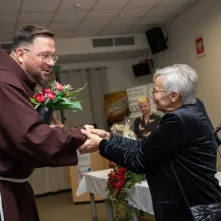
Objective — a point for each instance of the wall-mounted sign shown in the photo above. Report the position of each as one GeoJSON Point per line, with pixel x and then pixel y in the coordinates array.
{"type": "Point", "coordinates": [200, 48]}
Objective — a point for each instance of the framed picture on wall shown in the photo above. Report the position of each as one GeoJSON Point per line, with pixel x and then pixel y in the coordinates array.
{"type": "Point", "coordinates": [200, 47]}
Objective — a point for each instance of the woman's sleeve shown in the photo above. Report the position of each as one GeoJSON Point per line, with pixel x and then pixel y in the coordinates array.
{"type": "Point", "coordinates": [162, 145]}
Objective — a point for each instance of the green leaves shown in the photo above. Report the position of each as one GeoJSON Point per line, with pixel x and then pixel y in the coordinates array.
{"type": "Point", "coordinates": [33, 100]}
{"type": "Point", "coordinates": [65, 104]}
{"type": "Point", "coordinates": [65, 97]}
{"type": "Point", "coordinates": [36, 103]}
{"type": "Point", "coordinates": [120, 181]}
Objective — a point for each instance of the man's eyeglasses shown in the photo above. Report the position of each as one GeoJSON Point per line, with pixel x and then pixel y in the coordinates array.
{"type": "Point", "coordinates": [154, 91]}
{"type": "Point", "coordinates": [45, 57]}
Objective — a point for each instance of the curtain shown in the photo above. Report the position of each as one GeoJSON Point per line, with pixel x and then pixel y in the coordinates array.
{"type": "Point", "coordinates": [97, 88]}
{"type": "Point", "coordinates": [46, 180]}
{"type": "Point", "coordinates": [93, 96]}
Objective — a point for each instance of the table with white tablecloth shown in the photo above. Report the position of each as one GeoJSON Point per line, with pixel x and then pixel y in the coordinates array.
{"type": "Point", "coordinates": [139, 197]}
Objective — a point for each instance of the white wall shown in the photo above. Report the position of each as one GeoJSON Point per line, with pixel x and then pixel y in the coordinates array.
{"type": "Point", "coordinates": [119, 73]}
{"type": "Point", "coordinates": [71, 46]}
{"type": "Point", "coordinates": [203, 17]}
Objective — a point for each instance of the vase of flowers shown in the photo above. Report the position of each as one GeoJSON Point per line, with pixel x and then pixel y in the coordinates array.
{"type": "Point", "coordinates": [121, 180]}
{"type": "Point", "coordinates": [55, 97]}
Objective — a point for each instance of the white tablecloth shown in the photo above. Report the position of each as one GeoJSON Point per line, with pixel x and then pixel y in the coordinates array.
{"type": "Point", "coordinates": [139, 197]}
{"type": "Point", "coordinates": [94, 182]}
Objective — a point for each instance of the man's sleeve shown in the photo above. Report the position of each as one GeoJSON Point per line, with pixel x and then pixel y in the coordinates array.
{"type": "Point", "coordinates": [25, 139]}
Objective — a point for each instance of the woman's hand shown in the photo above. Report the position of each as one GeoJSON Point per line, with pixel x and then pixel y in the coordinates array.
{"type": "Point", "coordinates": [91, 144]}
{"type": "Point", "coordinates": [101, 133]}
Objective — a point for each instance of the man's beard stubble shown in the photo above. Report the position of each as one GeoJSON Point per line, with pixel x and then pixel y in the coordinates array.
{"type": "Point", "coordinates": [41, 84]}
{"type": "Point", "coordinates": [44, 82]}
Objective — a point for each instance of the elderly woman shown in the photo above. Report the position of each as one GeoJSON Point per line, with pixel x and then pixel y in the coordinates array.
{"type": "Point", "coordinates": [145, 124]}
{"type": "Point", "coordinates": [179, 157]}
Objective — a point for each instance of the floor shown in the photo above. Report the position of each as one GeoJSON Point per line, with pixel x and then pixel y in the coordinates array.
{"type": "Point", "coordinates": [59, 207]}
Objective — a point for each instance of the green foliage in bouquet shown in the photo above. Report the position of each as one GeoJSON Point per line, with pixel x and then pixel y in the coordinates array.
{"type": "Point", "coordinates": [58, 97]}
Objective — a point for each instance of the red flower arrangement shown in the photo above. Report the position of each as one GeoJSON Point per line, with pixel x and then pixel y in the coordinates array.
{"type": "Point", "coordinates": [57, 97]}
{"type": "Point", "coordinates": [120, 180]}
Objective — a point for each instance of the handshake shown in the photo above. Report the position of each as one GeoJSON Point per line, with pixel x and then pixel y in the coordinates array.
{"type": "Point", "coordinates": [94, 137]}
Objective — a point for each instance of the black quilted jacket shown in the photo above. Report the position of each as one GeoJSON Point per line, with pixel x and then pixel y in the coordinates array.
{"type": "Point", "coordinates": [184, 139]}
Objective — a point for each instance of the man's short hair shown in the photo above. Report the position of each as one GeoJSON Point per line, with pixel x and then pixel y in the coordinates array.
{"type": "Point", "coordinates": [27, 34]}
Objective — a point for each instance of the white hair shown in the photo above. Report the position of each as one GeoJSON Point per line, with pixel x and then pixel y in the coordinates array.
{"type": "Point", "coordinates": [179, 78]}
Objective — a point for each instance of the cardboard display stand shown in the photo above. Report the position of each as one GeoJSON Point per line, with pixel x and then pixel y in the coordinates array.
{"type": "Point", "coordinates": [86, 163]}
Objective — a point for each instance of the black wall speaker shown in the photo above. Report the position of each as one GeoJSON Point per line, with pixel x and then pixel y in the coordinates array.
{"type": "Point", "coordinates": [156, 40]}
{"type": "Point", "coordinates": [141, 69]}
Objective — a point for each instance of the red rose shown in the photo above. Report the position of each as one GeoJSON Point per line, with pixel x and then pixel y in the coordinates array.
{"type": "Point", "coordinates": [111, 175]}
{"type": "Point", "coordinates": [121, 184]}
{"type": "Point", "coordinates": [52, 96]}
{"type": "Point", "coordinates": [47, 90]}
{"type": "Point", "coordinates": [115, 184]}
{"type": "Point", "coordinates": [118, 177]}
{"type": "Point", "coordinates": [40, 98]}
{"type": "Point", "coordinates": [122, 170]}
{"type": "Point", "coordinates": [59, 87]}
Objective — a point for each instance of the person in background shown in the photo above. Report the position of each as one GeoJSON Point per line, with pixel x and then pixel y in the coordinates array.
{"type": "Point", "coordinates": [178, 157]}
{"type": "Point", "coordinates": [145, 124]}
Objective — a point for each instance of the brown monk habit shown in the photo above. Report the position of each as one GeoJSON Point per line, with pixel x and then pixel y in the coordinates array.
{"type": "Point", "coordinates": [25, 143]}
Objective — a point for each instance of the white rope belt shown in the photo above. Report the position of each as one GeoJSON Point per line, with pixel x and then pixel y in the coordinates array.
{"type": "Point", "coordinates": [14, 180]}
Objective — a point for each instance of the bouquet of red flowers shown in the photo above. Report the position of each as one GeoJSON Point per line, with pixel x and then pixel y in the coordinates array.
{"type": "Point", "coordinates": [120, 180]}
{"type": "Point", "coordinates": [57, 97]}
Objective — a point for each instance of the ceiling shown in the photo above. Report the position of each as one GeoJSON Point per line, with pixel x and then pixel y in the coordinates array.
{"type": "Point", "coordinates": [83, 18]}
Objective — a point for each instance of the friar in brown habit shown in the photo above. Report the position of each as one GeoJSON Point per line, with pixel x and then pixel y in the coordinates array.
{"type": "Point", "coordinates": [25, 143]}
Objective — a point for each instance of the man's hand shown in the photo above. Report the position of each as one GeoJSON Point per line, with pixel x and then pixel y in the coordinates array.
{"type": "Point", "coordinates": [57, 122]}
{"type": "Point", "coordinates": [60, 125]}
{"type": "Point", "coordinates": [101, 133]}
{"type": "Point", "coordinates": [89, 127]}
{"type": "Point", "coordinates": [57, 125]}
{"type": "Point", "coordinates": [91, 144]}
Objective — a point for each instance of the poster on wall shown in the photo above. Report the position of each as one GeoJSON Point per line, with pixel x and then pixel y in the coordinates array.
{"type": "Point", "coordinates": [116, 107]}
{"type": "Point", "coordinates": [134, 94]}
{"type": "Point", "coordinates": [81, 171]}
{"type": "Point", "coordinates": [200, 48]}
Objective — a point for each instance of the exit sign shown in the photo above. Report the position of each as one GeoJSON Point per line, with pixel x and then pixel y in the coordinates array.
{"type": "Point", "coordinates": [56, 68]}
